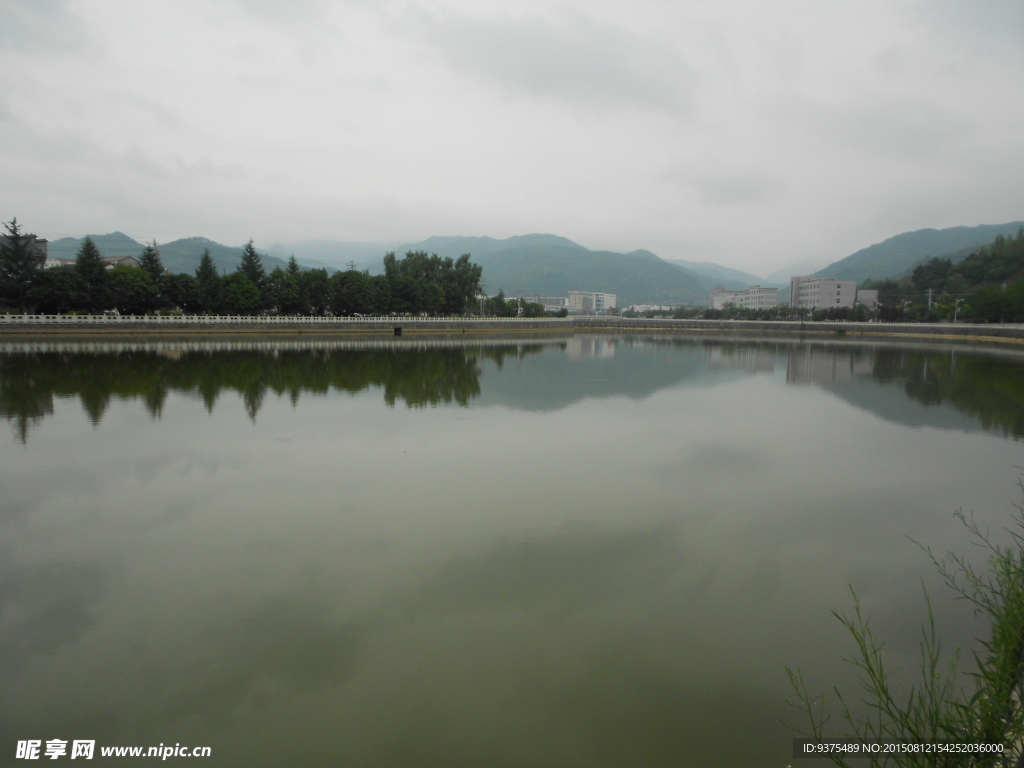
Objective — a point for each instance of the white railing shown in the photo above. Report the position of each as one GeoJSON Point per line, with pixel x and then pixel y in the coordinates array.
{"type": "Point", "coordinates": [251, 320]}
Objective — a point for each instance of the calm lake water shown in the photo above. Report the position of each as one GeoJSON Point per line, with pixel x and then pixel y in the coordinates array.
{"type": "Point", "coordinates": [590, 551]}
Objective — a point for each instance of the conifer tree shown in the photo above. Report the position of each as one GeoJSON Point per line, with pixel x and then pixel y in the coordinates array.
{"type": "Point", "coordinates": [150, 261]}
{"type": "Point", "coordinates": [252, 267]}
{"type": "Point", "coordinates": [93, 272]}
{"type": "Point", "coordinates": [20, 263]}
{"type": "Point", "coordinates": [207, 283]}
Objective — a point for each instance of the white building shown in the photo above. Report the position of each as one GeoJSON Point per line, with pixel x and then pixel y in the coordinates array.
{"type": "Point", "coordinates": [552, 303]}
{"type": "Point", "coordinates": [821, 292]}
{"type": "Point", "coordinates": [590, 302]}
{"type": "Point", "coordinates": [754, 297]}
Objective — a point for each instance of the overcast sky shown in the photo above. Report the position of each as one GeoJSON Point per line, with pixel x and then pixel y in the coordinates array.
{"type": "Point", "coordinates": [749, 133]}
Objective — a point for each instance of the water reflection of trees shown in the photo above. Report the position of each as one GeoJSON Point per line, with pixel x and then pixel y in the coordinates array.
{"type": "Point", "coordinates": [987, 387]}
{"type": "Point", "coordinates": [29, 382]}
{"type": "Point", "coordinates": [988, 390]}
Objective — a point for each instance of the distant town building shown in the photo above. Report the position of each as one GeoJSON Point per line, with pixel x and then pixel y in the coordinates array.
{"type": "Point", "coordinates": [590, 302]}
{"type": "Point", "coordinates": [824, 292]}
{"type": "Point", "coordinates": [650, 308]}
{"type": "Point", "coordinates": [821, 292]}
{"type": "Point", "coordinates": [552, 303]}
{"type": "Point", "coordinates": [120, 261]}
{"type": "Point", "coordinates": [754, 297]}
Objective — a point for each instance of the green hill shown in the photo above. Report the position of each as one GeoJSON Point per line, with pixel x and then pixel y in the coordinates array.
{"type": "Point", "coordinates": [711, 275]}
{"type": "Point", "coordinates": [177, 256]}
{"type": "Point", "coordinates": [549, 265]}
{"type": "Point", "coordinates": [898, 255]}
{"type": "Point", "coordinates": [184, 255]}
{"type": "Point", "coordinates": [114, 244]}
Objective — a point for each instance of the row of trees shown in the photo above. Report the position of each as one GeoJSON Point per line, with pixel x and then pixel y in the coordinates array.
{"type": "Point", "coordinates": [417, 283]}
{"type": "Point", "coordinates": [986, 286]}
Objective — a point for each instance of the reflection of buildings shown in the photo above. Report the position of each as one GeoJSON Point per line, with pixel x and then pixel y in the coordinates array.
{"type": "Point", "coordinates": [749, 359]}
{"type": "Point", "coordinates": [590, 302]}
{"type": "Point", "coordinates": [814, 365]}
{"type": "Point", "coordinates": [596, 347]}
{"type": "Point", "coordinates": [754, 297]}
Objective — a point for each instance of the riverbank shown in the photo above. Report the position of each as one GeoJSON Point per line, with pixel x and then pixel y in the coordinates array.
{"type": "Point", "coordinates": [14, 327]}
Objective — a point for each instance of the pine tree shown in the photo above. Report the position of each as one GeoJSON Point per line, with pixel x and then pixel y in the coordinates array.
{"type": "Point", "coordinates": [20, 263]}
{"type": "Point", "coordinates": [90, 267]}
{"type": "Point", "coordinates": [252, 267]}
{"type": "Point", "coordinates": [208, 283]}
{"type": "Point", "coordinates": [150, 261]}
{"type": "Point", "coordinates": [293, 266]}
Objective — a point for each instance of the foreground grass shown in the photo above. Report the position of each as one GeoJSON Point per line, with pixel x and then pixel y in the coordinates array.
{"type": "Point", "coordinates": [943, 705]}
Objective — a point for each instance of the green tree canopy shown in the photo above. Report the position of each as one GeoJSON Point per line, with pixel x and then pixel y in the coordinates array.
{"type": "Point", "coordinates": [207, 283]}
{"type": "Point", "coordinates": [58, 290]}
{"type": "Point", "coordinates": [238, 295]}
{"type": "Point", "coordinates": [283, 290]}
{"type": "Point", "coordinates": [183, 292]}
{"type": "Point", "coordinates": [20, 264]}
{"type": "Point", "coordinates": [132, 290]}
{"type": "Point", "coordinates": [314, 291]}
{"type": "Point", "coordinates": [151, 263]}
{"type": "Point", "coordinates": [252, 266]}
{"type": "Point", "coordinates": [456, 281]}
{"type": "Point", "coordinates": [93, 272]}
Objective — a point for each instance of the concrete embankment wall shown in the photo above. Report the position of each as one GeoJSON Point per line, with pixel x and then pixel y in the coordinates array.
{"type": "Point", "coordinates": [22, 326]}
{"type": "Point", "coordinates": [998, 333]}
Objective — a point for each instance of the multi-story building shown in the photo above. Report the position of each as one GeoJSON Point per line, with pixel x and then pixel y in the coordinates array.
{"type": "Point", "coordinates": [821, 292]}
{"type": "Point", "coordinates": [754, 297]}
{"type": "Point", "coordinates": [590, 302]}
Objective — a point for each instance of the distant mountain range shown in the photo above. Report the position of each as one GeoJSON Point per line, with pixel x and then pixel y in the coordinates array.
{"type": "Point", "coordinates": [177, 256]}
{"type": "Point", "coordinates": [549, 265]}
{"type": "Point", "coordinates": [713, 275]}
{"type": "Point", "coordinates": [900, 254]}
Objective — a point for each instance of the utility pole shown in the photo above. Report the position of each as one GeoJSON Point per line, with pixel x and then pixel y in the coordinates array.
{"type": "Point", "coordinates": [929, 298]}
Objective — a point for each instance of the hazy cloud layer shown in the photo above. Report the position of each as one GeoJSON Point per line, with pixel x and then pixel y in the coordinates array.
{"type": "Point", "coordinates": [747, 134]}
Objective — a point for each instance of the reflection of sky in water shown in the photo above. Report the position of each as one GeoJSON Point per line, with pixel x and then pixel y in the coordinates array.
{"type": "Point", "coordinates": [616, 575]}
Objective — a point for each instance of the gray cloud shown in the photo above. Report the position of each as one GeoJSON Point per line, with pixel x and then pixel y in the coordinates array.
{"type": "Point", "coordinates": [987, 28]}
{"type": "Point", "coordinates": [571, 56]}
{"type": "Point", "coordinates": [622, 128]}
{"type": "Point", "coordinates": [911, 127]}
{"type": "Point", "coordinates": [40, 25]}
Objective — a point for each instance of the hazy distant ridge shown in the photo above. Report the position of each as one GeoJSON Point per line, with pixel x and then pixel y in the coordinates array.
{"type": "Point", "coordinates": [712, 275]}
{"type": "Point", "coordinates": [177, 256]}
{"type": "Point", "coordinates": [898, 255]}
{"type": "Point", "coordinates": [549, 265]}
